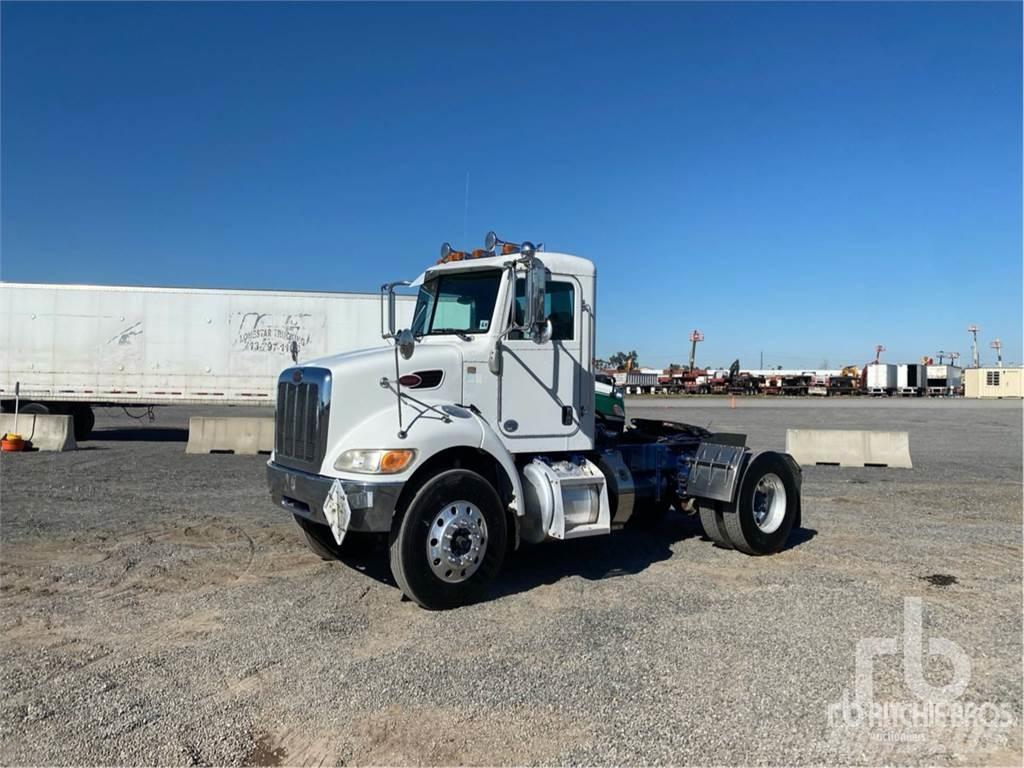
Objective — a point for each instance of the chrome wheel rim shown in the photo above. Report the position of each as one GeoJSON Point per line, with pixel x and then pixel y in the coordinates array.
{"type": "Point", "coordinates": [769, 503]}
{"type": "Point", "coordinates": [456, 541]}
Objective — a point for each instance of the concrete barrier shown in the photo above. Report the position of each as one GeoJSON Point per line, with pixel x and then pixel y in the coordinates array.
{"type": "Point", "coordinates": [46, 432]}
{"type": "Point", "coordinates": [230, 434]}
{"type": "Point", "coordinates": [849, 447]}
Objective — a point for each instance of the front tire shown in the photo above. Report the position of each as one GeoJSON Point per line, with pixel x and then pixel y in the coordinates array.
{"type": "Point", "coordinates": [451, 541]}
{"type": "Point", "coordinates": [767, 507]}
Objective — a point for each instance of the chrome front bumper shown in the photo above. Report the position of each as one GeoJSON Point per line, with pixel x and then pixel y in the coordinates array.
{"type": "Point", "coordinates": [303, 494]}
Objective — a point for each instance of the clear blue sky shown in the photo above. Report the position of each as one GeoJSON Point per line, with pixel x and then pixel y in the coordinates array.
{"type": "Point", "coordinates": [807, 180]}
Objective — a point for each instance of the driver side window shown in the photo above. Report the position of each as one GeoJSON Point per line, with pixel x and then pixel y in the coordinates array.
{"type": "Point", "coordinates": [559, 306]}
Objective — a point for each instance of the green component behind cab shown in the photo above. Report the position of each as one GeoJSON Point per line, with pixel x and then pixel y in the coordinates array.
{"type": "Point", "coordinates": [609, 404]}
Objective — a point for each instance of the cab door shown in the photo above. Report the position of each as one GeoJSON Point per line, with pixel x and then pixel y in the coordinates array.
{"type": "Point", "coordinates": [538, 401]}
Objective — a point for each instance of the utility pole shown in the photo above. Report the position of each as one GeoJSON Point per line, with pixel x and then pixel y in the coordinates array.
{"type": "Point", "coordinates": [973, 330]}
{"type": "Point", "coordinates": [941, 355]}
{"type": "Point", "coordinates": [878, 353]}
{"type": "Point", "coordinates": [997, 345]}
{"type": "Point", "coordinates": [694, 338]}
{"type": "Point", "coordinates": [953, 357]}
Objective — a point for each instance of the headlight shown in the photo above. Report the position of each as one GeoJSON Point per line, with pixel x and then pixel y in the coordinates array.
{"type": "Point", "coordinates": [374, 462]}
{"type": "Point", "coordinates": [617, 410]}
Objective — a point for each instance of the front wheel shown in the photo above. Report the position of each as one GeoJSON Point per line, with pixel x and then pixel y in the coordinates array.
{"type": "Point", "coordinates": [766, 509]}
{"type": "Point", "coordinates": [450, 542]}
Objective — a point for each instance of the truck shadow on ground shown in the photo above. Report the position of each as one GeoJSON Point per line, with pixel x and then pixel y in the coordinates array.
{"type": "Point", "coordinates": [624, 553]}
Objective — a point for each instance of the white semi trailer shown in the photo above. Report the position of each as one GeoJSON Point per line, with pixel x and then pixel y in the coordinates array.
{"type": "Point", "coordinates": [73, 347]}
{"type": "Point", "coordinates": [475, 431]}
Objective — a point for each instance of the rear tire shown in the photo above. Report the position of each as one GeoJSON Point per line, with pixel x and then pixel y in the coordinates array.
{"type": "Point", "coordinates": [767, 507]}
{"type": "Point", "coordinates": [84, 420]}
{"type": "Point", "coordinates": [713, 525]}
{"type": "Point", "coordinates": [451, 541]}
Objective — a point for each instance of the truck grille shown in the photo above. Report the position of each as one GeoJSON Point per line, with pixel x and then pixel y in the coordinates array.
{"type": "Point", "coordinates": [300, 429]}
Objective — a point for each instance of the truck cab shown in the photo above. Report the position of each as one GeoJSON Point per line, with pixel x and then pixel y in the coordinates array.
{"type": "Point", "coordinates": [473, 431]}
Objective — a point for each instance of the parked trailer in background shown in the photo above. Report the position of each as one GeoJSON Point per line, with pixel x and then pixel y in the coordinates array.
{"type": "Point", "coordinates": [944, 380]}
{"type": "Point", "coordinates": [881, 379]}
{"type": "Point", "coordinates": [910, 379]}
{"type": "Point", "coordinates": [73, 347]}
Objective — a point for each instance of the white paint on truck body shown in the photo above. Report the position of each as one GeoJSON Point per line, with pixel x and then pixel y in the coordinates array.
{"type": "Point", "coordinates": [130, 345]}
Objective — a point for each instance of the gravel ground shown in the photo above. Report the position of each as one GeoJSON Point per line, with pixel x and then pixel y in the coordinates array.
{"type": "Point", "coordinates": [157, 610]}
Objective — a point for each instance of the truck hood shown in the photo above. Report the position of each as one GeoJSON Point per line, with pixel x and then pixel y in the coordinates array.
{"type": "Point", "coordinates": [352, 370]}
{"type": "Point", "coordinates": [357, 394]}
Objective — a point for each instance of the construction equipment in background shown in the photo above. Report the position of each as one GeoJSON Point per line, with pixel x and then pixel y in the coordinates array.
{"type": "Point", "coordinates": [848, 382]}
{"type": "Point", "coordinates": [997, 345]}
{"type": "Point", "coordinates": [741, 383]}
{"type": "Point", "coordinates": [973, 330]}
{"type": "Point", "coordinates": [695, 337]}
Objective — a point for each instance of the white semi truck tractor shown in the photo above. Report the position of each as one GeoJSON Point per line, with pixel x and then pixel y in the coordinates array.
{"type": "Point", "coordinates": [473, 432]}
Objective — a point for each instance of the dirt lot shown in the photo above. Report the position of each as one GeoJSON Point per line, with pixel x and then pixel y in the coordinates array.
{"type": "Point", "coordinates": [157, 609]}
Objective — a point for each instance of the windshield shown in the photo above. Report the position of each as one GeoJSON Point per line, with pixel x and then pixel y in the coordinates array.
{"type": "Point", "coordinates": [457, 302]}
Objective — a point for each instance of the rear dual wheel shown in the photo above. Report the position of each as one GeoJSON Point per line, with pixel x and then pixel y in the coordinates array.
{"type": "Point", "coordinates": [766, 509]}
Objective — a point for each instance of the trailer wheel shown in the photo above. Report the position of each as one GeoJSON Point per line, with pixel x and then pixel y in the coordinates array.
{"type": "Point", "coordinates": [84, 420]}
{"type": "Point", "coordinates": [713, 525]}
{"type": "Point", "coordinates": [451, 541]}
{"type": "Point", "coordinates": [320, 541]}
{"type": "Point", "coordinates": [760, 521]}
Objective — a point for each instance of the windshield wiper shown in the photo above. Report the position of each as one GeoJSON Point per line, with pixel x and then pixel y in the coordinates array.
{"type": "Point", "coordinates": [461, 334]}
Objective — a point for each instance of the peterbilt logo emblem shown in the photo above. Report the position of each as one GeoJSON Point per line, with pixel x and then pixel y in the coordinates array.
{"type": "Point", "coordinates": [297, 375]}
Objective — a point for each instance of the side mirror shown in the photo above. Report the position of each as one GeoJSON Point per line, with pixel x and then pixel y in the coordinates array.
{"type": "Point", "coordinates": [406, 343]}
{"type": "Point", "coordinates": [542, 333]}
{"type": "Point", "coordinates": [536, 285]}
{"type": "Point", "coordinates": [494, 359]}
{"type": "Point", "coordinates": [391, 313]}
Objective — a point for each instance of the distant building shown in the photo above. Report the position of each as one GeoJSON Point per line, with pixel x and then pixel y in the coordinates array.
{"type": "Point", "coordinates": [993, 382]}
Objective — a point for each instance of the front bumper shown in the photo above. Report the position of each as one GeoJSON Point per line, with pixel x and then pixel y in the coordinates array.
{"type": "Point", "coordinates": [303, 494]}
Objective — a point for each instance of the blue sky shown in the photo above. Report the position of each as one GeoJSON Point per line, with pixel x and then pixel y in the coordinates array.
{"type": "Point", "coordinates": [800, 179]}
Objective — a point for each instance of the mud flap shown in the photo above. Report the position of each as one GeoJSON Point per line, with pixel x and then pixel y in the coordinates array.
{"type": "Point", "coordinates": [337, 511]}
{"type": "Point", "coordinates": [716, 472]}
